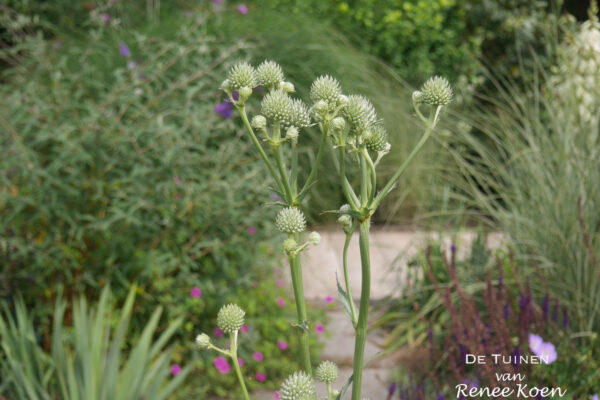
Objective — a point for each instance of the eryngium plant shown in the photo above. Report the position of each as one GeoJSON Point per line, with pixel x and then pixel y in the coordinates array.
{"type": "Point", "coordinates": [350, 128]}
{"type": "Point", "coordinates": [280, 125]}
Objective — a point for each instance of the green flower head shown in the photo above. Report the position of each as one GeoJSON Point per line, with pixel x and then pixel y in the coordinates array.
{"type": "Point", "coordinates": [269, 74]}
{"type": "Point", "coordinates": [278, 106]}
{"type": "Point", "coordinates": [203, 341]}
{"type": "Point", "coordinates": [360, 114]}
{"type": "Point", "coordinates": [325, 88]}
{"type": "Point", "coordinates": [298, 386]}
{"type": "Point", "coordinates": [376, 139]}
{"type": "Point", "coordinates": [230, 318]}
{"type": "Point", "coordinates": [436, 91]}
{"type": "Point", "coordinates": [242, 75]}
{"type": "Point", "coordinates": [290, 220]}
{"type": "Point", "coordinates": [327, 372]}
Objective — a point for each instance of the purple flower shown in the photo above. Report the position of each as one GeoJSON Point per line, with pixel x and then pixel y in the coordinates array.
{"type": "Point", "coordinates": [329, 299]}
{"type": "Point", "coordinates": [546, 306]}
{"type": "Point", "coordinates": [222, 365]}
{"type": "Point", "coordinates": [595, 397]}
{"type": "Point", "coordinates": [556, 311]}
{"type": "Point", "coordinates": [535, 342]}
{"type": "Point", "coordinates": [453, 248]}
{"type": "Point", "coordinates": [105, 17]}
{"type": "Point", "coordinates": [175, 369]}
{"type": "Point", "coordinates": [282, 344]}
{"type": "Point", "coordinates": [275, 196]}
{"type": "Point", "coordinates": [391, 389]}
{"type": "Point", "coordinates": [217, 332]}
{"type": "Point", "coordinates": [524, 302]}
{"type": "Point", "coordinates": [195, 292]}
{"type": "Point", "coordinates": [124, 50]}
{"type": "Point", "coordinates": [319, 328]}
{"type": "Point", "coordinates": [251, 230]}
{"type": "Point", "coordinates": [176, 180]}
{"type": "Point", "coordinates": [258, 356]}
{"type": "Point", "coordinates": [280, 302]}
{"type": "Point", "coordinates": [516, 357]}
{"type": "Point", "coordinates": [245, 329]}
{"type": "Point", "coordinates": [224, 109]}
{"type": "Point", "coordinates": [441, 396]}
{"type": "Point", "coordinates": [242, 9]}
{"type": "Point", "coordinates": [547, 353]}
{"type": "Point", "coordinates": [261, 376]}
{"type": "Point", "coordinates": [280, 283]}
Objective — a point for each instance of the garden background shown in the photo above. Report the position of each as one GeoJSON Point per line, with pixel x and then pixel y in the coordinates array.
{"type": "Point", "coordinates": [129, 192]}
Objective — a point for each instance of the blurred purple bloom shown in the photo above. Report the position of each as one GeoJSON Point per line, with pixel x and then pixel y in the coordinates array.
{"type": "Point", "coordinates": [441, 396]}
{"type": "Point", "coordinates": [195, 292]}
{"type": "Point", "coordinates": [595, 397]}
{"type": "Point", "coordinates": [516, 357]}
{"type": "Point", "coordinates": [547, 353]}
{"type": "Point", "coordinates": [235, 95]}
{"type": "Point", "coordinates": [535, 342]}
{"type": "Point", "coordinates": [224, 109]}
{"type": "Point", "coordinates": [124, 50]}
{"type": "Point", "coordinates": [175, 369]}
{"type": "Point", "coordinates": [105, 17]}
{"type": "Point", "coordinates": [524, 302]}
{"type": "Point", "coordinates": [217, 1]}
{"type": "Point", "coordinates": [546, 306]}
{"type": "Point", "coordinates": [242, 9]}
{"type": "Point", "coordinates": [453, 248]}
{"type": "Point", "coordinates": [176, 180]}
{"type": "Point", "coordinates": [251, 230]}
{"type": "Point", "coordinates": [275, 196]}
{"type": "Point", "coordinates": [391, 389]}
{"type": "Point", "coordinates": [556, 311]}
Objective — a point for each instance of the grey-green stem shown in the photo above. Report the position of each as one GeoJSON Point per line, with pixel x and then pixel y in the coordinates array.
{"type": "Point", "coordinates": [236, 363]}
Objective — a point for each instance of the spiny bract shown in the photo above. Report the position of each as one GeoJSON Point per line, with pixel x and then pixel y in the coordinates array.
{"type": "Point", "coordinates": [300, 117]}
{"type": "Point", "coordinates": [376, 139]}
{"type": "Point", "coordinates": [360, 113]}
{"type": "Point", "coordinates": [298, 386]}
{"type": "Point", "coordinates": [436, 91]}
{"type": "Point", "coordinates": [242, 75]}
{"type": "Point", "coordinates": [230, 318]}
{"type": "Point", "coordinates": [290, 220]}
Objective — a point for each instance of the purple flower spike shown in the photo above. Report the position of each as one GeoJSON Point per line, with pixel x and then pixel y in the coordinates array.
{"type": "Point", "coordinates": [391, 389]}
{"type": "Point", "coordinates": [546, 306]}
{"type": "Point", "coordinates": [506, 310]}
{"type": "Point", "coordinates": [565, 317]}
{"type": "Point", "coordinates": [441, 396]}
{"type": "Point", "coordinates": [242, 9]}
{"type": "Point", "coordinates": [556, 311]}
{"type": "Point", "coordinates": [124, 50]}
{"type": "Point", "coordinates": [453, 248]}
{"type": "Point", "coordinates": [224, 109]}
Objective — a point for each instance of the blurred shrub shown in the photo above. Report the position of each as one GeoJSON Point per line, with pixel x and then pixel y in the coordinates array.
{"type": "Point", "coordinates": [484, 307]}
{"type": "Point", "coordinates": [116, 168]}
{"type": "Point", "coordinates": [88, 361]}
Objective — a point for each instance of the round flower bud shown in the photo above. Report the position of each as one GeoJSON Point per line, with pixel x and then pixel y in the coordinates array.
{"type": "Point", "coordinates": [338, 124]}
{"type": "Point", "coordinates": [360, 113]}
{"type": "Point", "coordinates": [345, 208]}
{"type": "Point", "coordinates": [288, 87]}
{"type": "Point", "coordinates": [203, 341]}
{"type": "Point", "coordinates": [291, 133]}
{"type": "Point", "coordinates": [320, 107]}
{"type": "Point", "coordinates": [290, 220]}
{"type": "Point", "coordinates": [244, 93]}
{"type": "Point", "coordinates": [325, 88]}
{"type": "Point", "coordinates": [230, 318]}
{"type": "Point", "coordinates": [259, 122]}
{"type": "Point", "coordinates": [298, 386]}
{"type": "Point", "coordinates": [277, 106]}
{"type": "Point", "coordinates": [437, 91]}
{"type": "Point", "coordinates": [269, 74]}
{"type": "Point", "coordinates": [242, 74]}
{"type": "Point", "coordinates": [417, 97]}
{"type": "Point", "coordinates": [290, 246]}
{"type": "Point", "coordinates": [327, 372]}
{"type": "Point", "coordinates": [314, 238]}
{"type": "Point", "coordinates": [376, 139]}
{"type": "Point", "coordinates": [345, 220]}
{"type": "Point", "coordinates": [299, 117]}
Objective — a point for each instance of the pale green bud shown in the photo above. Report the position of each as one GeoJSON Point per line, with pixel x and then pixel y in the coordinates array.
{"type": "Point", "coordinates": [345, 220]}
{"type": "Point", "coordinates": [259, 122]}
{"type": "Point", "coordinates": [345, 208]}
{"type": "Point", "coordinates": [314, 238]}
{"type": "Point", "coordinates": [277, 106]}
{"type": "Point", "coordinates": [298, 386]}
{"type": "Point", "coordinates": [325, 88]}
{"type": "Point", "coordinates": [288, 87]}
{"type": "Point", "coordinates": [299, 117]}
{"type": "Point", "coordinates": [360, 113]}
{"type": "Point", "coordinates": [242, 74]}
{"type": "Point", "coordinates": [290, 220]}
{"type": "Point", "coordinates": [290, 246]}
{"type": "Point", "coordinates": [417, 97]}
{"type": "Point", "coordinates": [230, 318]}
{"type": "Point", "coordinates": [437, 91]}
{"type": "Point", "coordinates": [203, 341]}
{"type": "Point", "coordinates": [326, 372]}
{"type": "Point", "coordinates": [244, 94]}
{"type": "Point", "coordinates": [291, 133]}
{"type": "Point", "coordinates": [376, 138]}
{"type": "Point", "coordinates": [320, 107]}
{"type": "Point", "coordinates": [226, 86]}
{"type": "Point", "coordinates": [338, 124]}
{"type": "Point", "coordinates": [269, 74]}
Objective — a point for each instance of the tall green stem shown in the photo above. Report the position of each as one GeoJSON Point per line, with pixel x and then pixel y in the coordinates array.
{"type": "Point", "coordinates": [236, 364]}
{"type": "Point", "coordinates": [363, 313]}
{"type": "Point", "coordinates": [346, 278]}
{"type": "Point", "coordinates": [296, 272]}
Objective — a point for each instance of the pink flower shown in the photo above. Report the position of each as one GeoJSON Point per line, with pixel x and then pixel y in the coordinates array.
{"type": "Point", "coordinates": [280, 302]}
{"type": "Point", "coordinates": [277, 396]}
{"type": "Point", "coordinates": [328, 299]}
{"type": "Point", "coordinates": [242, 9]}
{"type": "Point", "coordinates": [261, 377]}
{"type": "Point", "coordinates": [105, 17]}
{"type": "Point", "coordinates": [222, 365]}
{"type": "Point", "coordinates": [175, 369]}
{"type": "Point", "coordinates": [280, 282]}
{"type": "Point", "coordinates": [254, 284]}
{"type": "Point", "coordinates": [258, 356]}
{"type": "Point", "coordinates": [176, 180]}
{"type": "Point", "coordinates": [217, 332]}
{"type": "Point", "coordinates": [245, 328]}
{"type": "Point", "coordinates": [195, 292]}
{"type": "Point", "coordinates": [319, 329]}
{"type": "Point", "coordinates": [240, 361]}
{"type": "Point", "coordinates": [251, 230]}
{"type": "Point", "coordinates": [282, 344]}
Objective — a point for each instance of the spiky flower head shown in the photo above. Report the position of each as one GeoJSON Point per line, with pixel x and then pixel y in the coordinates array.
{"type": "Point", "coordinates": [298, 386]}
{"type": "Point", "coordinates": [360, 113]}
{"type": "Point", "coordinates": [290, 220]}
{"type": "Point", "coordinates": [314, 238]}
{"type": "Point", "coordinates": [338, 124]}
{"type": "Point", "coordinates": [291, 133]}
{"type": "Point", "coordinates": [230, 318]}
{"type": "Point", "coordinates": [437, 91]}
{"type": "Point", "coordinates": [203, 341]}
{"type": "Point", "coordinates": [327, 372]}
{"type": "Point", "coordinates": [376, 138]}
{"type": "Point", "coordinates": [259, 122]}
{"type": "Point", "coordinates": [288, 87]}
{"type": "Point", "coordinates": [277, 106]}
{"type": "Point", "coordinates": [325, 88]}
{"type": "Point", "coordinates": [299, 117]}
{"type": "Point", "coordinates": [269, 74]}
{"type": "Point", "coordinates": [242, 75]}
